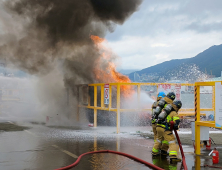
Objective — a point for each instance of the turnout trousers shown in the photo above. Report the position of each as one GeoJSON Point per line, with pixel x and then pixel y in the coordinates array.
{"type": "Point", "coordinates": [154, 131]}
{"type": "Point", "coordinates": [165, 139]}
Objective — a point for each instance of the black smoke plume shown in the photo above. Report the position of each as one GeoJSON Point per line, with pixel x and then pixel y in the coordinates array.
{"type": "Point", "coordinates": [55, 30]}
{"type": "Point", "coordinates": [42, 37]}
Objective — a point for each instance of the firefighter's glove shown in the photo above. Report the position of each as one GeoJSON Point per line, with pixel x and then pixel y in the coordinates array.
{"type": "Point", "coordinates": [176, 124]}
{"type": "Point", "coordinates": [171, 125]}
{"type": "Point", "coordinates": [175, 127]}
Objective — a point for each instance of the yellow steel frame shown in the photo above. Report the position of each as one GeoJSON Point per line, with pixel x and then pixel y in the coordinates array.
{"type": "Point", "coordinates": [198, 122]}
{"type": "Point", "coordinates": [8, 97]}
{"type": "Point", "coordinates": [118, 110]}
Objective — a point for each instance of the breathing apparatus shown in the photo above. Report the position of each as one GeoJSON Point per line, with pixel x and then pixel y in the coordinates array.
{"type": "Point", "coordinates": [165, 112]}
{"type": "Point", "coordinates": [158, 109]}
{"type": "Point", "coordinates": [155, 104]}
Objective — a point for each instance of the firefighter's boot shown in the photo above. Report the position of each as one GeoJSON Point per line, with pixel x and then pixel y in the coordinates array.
{"type": "Point", "coordinates": [174, 160]}
{"type": "Point", "coordinates": [155, 152]}
{"type": "Point", "coordinates": [164, 153]}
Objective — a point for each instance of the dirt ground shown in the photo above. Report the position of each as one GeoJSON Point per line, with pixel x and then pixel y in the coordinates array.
{"type": "Point", "coordinates": [7, 127]}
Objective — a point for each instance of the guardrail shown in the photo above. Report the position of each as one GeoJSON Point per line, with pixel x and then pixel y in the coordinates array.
{"type": "Point", "coordinates": [116, 107]}
{"type": "Point", "coordinates": [198, 122]}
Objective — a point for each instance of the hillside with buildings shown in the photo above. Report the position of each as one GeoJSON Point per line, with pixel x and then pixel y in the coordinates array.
{"type": "Point", "coordinates": [206, 64]}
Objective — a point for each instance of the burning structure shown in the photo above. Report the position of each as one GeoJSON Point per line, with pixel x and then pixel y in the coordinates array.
{"type": "Point", "coordinates": [58, 42]}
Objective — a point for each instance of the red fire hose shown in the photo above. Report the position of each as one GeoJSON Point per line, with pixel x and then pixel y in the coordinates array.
{"type": "Point", "coordinates": [130, 156]}
{"type": "Point", "coordinates": [115, 152]}
{"type": "Point", "coordinates": [181, 149]}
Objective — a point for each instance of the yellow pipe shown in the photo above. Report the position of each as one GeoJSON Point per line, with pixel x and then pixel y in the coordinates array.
{"type": "Point", "coordinates": [118, 109]}
{"type": "Point", "coordinates": [197, 138]}
{"type": "Point", "coordinates": [102, 96]}
{"type": "Point", "coordinates": [197, 163]}
{"type": "Point", "coordinates": [197, 119]}
{"type": "Point", "coordinates": [203, 109]}
{"type": "Point", "coordinates": [99, 108]}
{"type": "Point", "coordinates": [198, 104]}
{"type": "Point", "coordinates": [182, 111]}
{"type": "Point", "coordinates": [88, 96]}
{"type": "Point", "coordinates": [95, 106]}
{"type": "Point", "coordinates": [213, 101]}
{"type": "Point", "coordinates": [142, 84]}
{"type": "Point", "coordinates": [206, 123]}
{"type": "Point", "coordinates": [110, 97]}
{"type": "Point", "coordinates": [209, 83]}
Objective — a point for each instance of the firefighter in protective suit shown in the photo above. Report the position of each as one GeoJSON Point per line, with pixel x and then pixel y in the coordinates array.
{"type": "Point", "coordinates": [161, 104]}
{"type": "Point", "coordinates": [168, 114]}
{"type": "Point", "coordinates": [155, 104]}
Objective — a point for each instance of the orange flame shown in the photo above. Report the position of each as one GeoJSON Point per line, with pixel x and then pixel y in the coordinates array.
{"type": "Point", "coordinates": [105, 70]}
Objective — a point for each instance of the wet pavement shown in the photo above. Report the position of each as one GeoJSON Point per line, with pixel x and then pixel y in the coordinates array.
{"type": "Point", "coordinates": [47, 148]}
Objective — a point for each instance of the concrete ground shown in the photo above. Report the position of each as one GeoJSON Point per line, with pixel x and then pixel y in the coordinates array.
{"type": "Point", "coordinates": [38, 147]}
{"type": "Point", "coordinates": [203, 161]}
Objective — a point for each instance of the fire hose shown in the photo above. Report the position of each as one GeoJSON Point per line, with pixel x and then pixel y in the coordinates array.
{"type": "Point", "coordinates": [181, 150]}
{"type": "Point", "coordinates": [180, 145]}
{"type": "Point", "coordinates": [114, 152]}
{"type": "Point", "coordinates": [130, 156]}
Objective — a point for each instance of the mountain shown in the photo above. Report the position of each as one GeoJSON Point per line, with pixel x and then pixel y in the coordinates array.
{"type": "Point", "coordinates": [127, 71]}
{"type": "Point", "coordinates": [208, 61]}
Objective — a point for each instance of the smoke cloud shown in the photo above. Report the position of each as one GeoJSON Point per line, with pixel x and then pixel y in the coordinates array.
{"type": "Point", "coordinates": [55, 31]}
{"type": "Point", "coordinates": [41, 36]}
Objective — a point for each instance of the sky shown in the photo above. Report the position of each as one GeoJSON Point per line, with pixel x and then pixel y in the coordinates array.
{"type": "Point", "coordinates": [167, 29]}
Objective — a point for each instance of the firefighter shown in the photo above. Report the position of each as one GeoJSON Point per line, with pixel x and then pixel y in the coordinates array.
{"type": "Point", "coordinates": [164, 133]}
{"type": "Point", "coordinates": [161, 104]}
{"type": "Point", "coordinates": [155, 104]}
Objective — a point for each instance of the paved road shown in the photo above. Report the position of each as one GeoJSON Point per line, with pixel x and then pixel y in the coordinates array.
{"type": "Point", "coordinates": [47, 148]}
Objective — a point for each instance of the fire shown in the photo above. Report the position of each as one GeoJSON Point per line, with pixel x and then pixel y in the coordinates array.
{"type": "Point", "coordinates": [97, 39]}
{"type": "Point", "coordinates": [105, 70]}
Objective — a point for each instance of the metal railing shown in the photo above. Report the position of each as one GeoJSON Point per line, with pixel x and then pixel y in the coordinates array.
{"type": "Point", "coordinates": [198, 121]}
{"type": "Point", "coordinates": [117, 108]}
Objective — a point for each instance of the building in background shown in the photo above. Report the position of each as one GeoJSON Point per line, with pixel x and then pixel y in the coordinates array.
{"type": "Point", "coordinates": [136, 77]}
